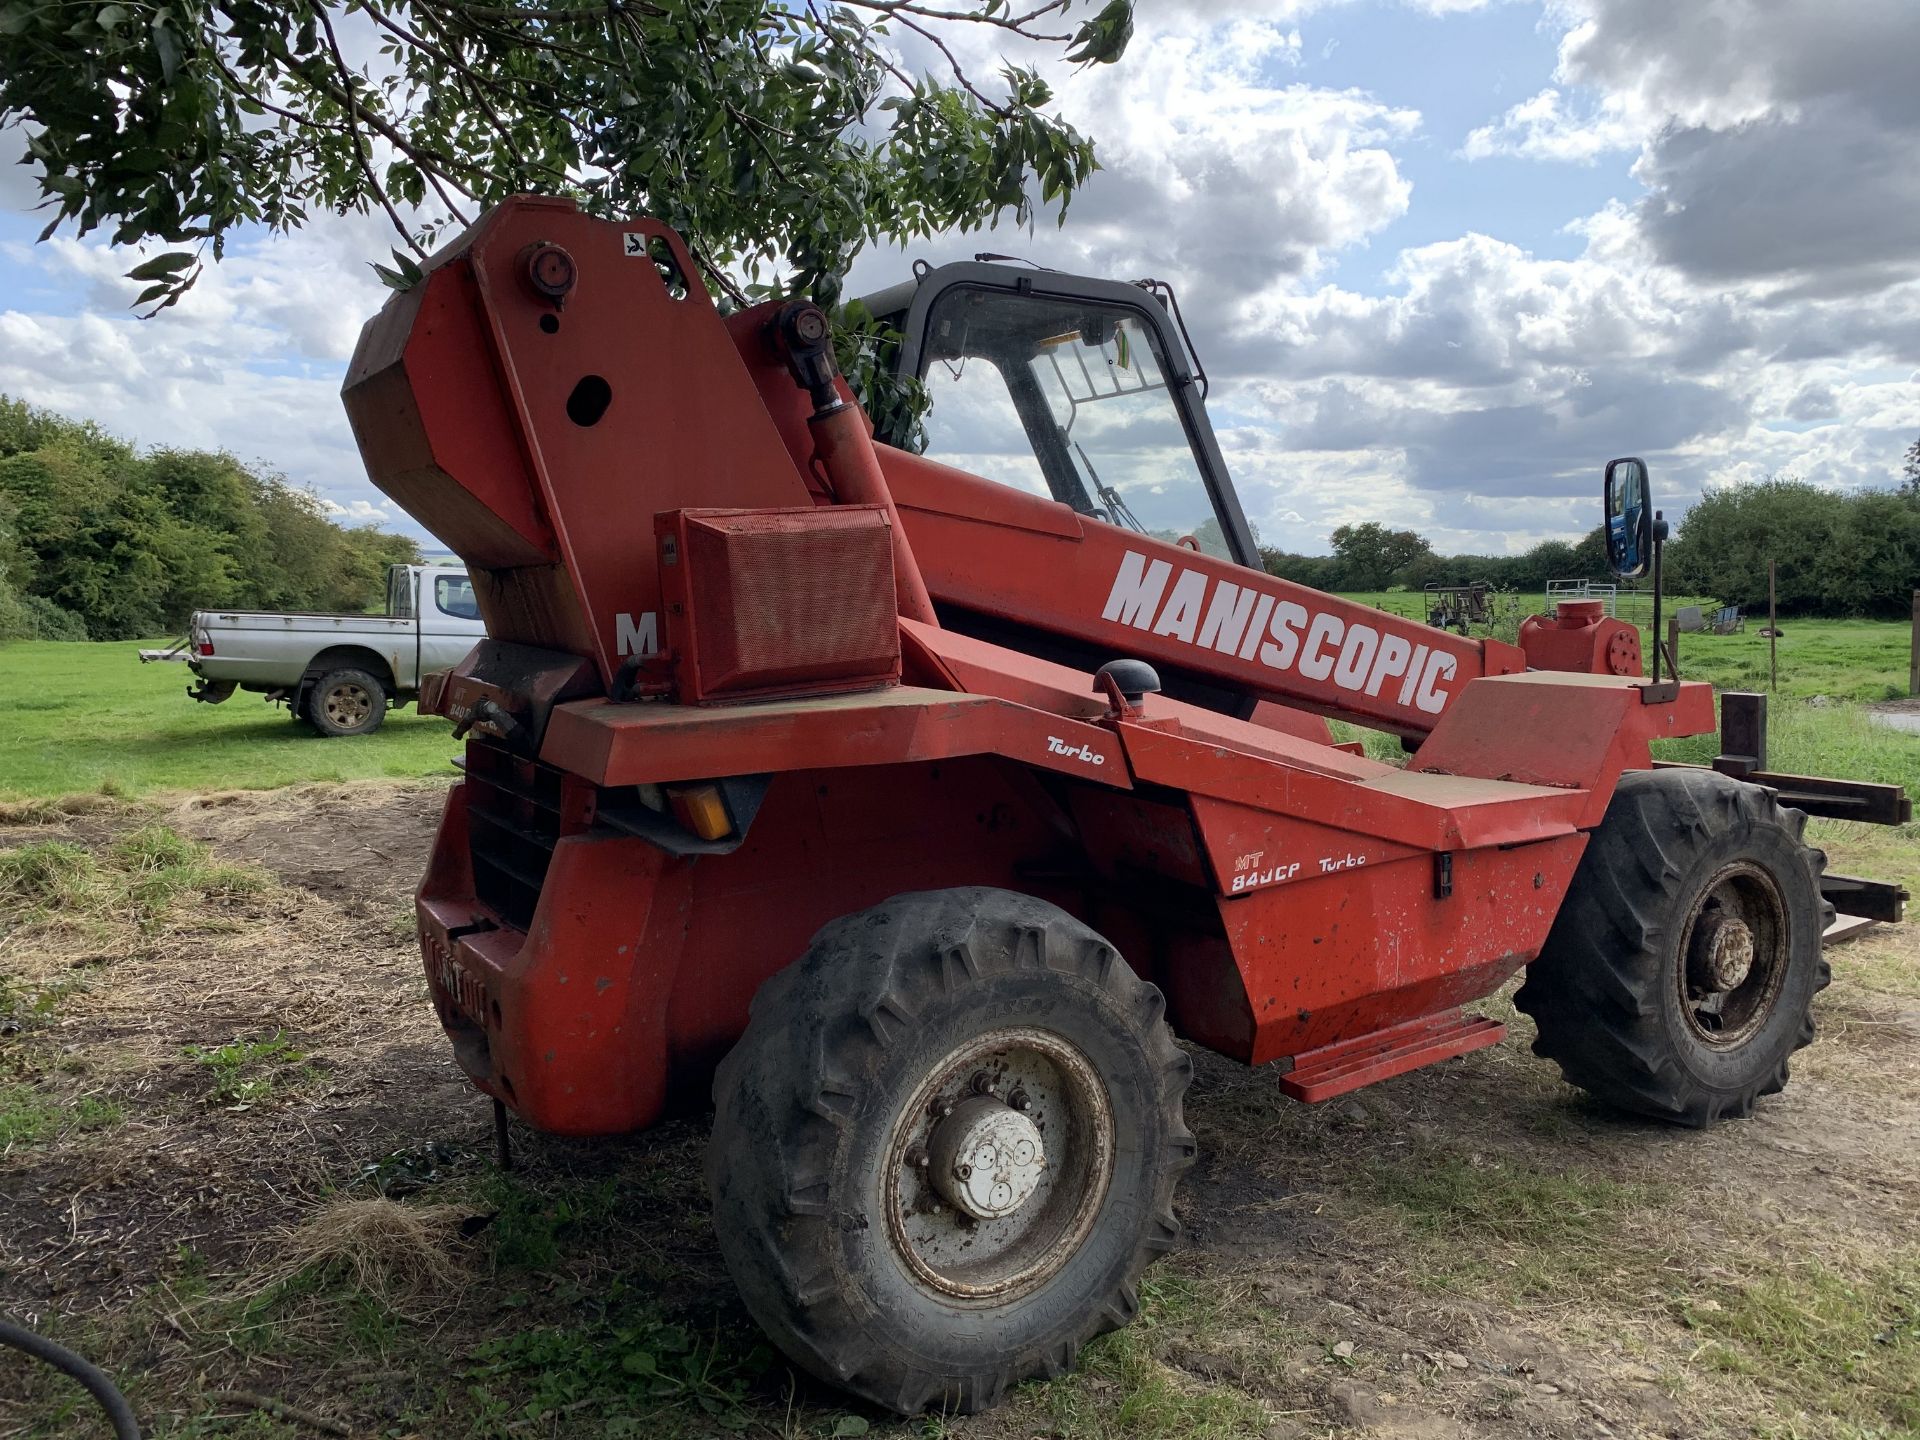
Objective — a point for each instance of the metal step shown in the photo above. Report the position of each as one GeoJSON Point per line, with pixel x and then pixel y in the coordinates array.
{"type": "Point", "coordinates": [1335, 1069]}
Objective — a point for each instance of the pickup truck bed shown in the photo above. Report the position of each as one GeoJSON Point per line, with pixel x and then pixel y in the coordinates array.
{"type": "Point", "coordinates": [339, 671]}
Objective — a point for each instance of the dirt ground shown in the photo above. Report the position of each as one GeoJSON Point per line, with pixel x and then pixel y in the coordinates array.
{"type": "Point", "coordinates": [1472, 1250]}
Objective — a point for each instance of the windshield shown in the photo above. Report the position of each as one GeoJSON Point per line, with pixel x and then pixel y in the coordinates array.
{"type": "Point", "coordinates": [1069, 399]}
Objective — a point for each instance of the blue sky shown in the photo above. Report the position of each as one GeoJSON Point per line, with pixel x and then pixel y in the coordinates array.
{"type": "Point", "coordinates": [1444, 257]}
{"type": "Point", "coordinates": [1458, 71]}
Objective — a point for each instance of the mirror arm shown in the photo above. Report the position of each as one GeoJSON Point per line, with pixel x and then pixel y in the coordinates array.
{"type": "Point", "coordinates": [1655, 691]}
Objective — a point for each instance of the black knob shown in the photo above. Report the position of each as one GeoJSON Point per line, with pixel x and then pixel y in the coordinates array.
{"type": "Point", "coordinates": [1132, 678]}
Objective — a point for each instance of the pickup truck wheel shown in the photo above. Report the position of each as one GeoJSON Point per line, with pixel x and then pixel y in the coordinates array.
{"type": "Point", "coordinates": [946, 1147]}
{"type": "Point", "coordinates": [1679, 976]}
{"type": "Point", "coordinates": [347, 702]}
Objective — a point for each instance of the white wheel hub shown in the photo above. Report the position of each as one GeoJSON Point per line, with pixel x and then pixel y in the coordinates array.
{"type": "Point", "coordinates": [986, 1159]}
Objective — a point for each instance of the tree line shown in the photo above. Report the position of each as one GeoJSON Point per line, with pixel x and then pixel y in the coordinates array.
{"type": "Point", "coordinates": [1370, 556]}
{"type": "Point", "coordinates": [1854, 553]}
{"type": "Point", "coordinates": [102, 541]}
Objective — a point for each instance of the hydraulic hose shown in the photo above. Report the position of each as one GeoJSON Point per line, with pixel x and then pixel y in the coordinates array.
{"type": "Point", "coordinates": [92, 1377]}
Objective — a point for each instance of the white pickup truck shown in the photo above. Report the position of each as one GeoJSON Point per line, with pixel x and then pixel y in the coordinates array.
{"type": "Point", "coordinates": [340, 672]}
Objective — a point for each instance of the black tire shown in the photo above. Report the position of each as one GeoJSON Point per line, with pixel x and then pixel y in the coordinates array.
{"type": "Point", "coordinates": [1640, 994]}
{"type": "Point", "coordinates": [839, 1244]}
{"type": "Point", "coordinates": [347, 701]}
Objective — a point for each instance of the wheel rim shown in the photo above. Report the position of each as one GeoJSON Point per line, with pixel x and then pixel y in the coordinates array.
{"type": "Point", "coordinates": [348, 705]}
{"type": "Point", "coordinates": [1733, 956]}
{"type": "Point", "coordinates": [1031, 1107]}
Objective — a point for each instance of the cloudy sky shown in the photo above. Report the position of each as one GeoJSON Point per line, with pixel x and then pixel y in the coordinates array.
{"type": "Point", "coordinates": [1443, 258]}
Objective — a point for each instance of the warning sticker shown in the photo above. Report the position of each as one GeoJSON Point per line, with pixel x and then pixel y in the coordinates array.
{"type": "Point", "coordinates": [634, 243]}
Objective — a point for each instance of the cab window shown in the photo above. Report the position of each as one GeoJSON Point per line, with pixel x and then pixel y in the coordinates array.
{"type": "Point", "coordinates": [1067, 399]}
{"type": "Point", "coordinates": [454, 595]}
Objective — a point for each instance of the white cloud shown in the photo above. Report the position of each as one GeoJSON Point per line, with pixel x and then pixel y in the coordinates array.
{"type": "Point", "coordinates": [250, 361]}
{"type": "Point", "coordinates": [1756, 309]}
{"type": "Point", "coordinates": [1221, 172]}
{"type": "Point", "coordinates": [356, 512]}
{"type": "Point", "coordinates": [1543, 128]}
{"type": "Point", "coordinates": [1776, 139]}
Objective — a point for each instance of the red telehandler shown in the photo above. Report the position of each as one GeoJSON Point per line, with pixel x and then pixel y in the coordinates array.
{"type": "Point", "coordinates": [911, 814]}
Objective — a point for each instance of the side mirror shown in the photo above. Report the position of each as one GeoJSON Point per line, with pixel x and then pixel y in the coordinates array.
{"type": "Point", "coordinates": [1629, 507]}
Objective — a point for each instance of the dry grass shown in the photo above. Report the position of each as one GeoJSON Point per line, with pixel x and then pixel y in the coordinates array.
{"type": "Point", "coordinates": [402, 1256]}
{"type": "Point", "coordinates": [1470, 1250]}
{"type": "Point", "coordinates": [63, 808]}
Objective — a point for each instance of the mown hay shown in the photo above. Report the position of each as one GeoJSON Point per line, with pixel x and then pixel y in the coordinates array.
{"type": "Point", "coordinates": [401, 1255]}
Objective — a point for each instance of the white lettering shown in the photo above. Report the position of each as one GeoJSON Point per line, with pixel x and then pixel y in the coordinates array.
{"type": "Point", "coordinates": [1227, 618]}
{"type": "Point", "coordinates": [1255, 879]}
{"type": "Point", "coordinates": [1395, 650]}
{"type": "Point", "coordinates": [1242, 621]}
{"type": "Point", "coordinates": [1257, 628]}
{"type": "Point", "coordinates": [1182, 614]}
{"type": "Point", "coordinates": [1137, 590]}
{"type": "Point", "coordinates": [638, 638]}
{"type": "Point", "coordinates": [1356, 655]}
{"type": "Point", "coordinates": [1412, 682]}
{"type": "Point", "coordinates": [1315, 663]}
{"type": "Point", "coordinates": [1287, 620]}
{"type": "Point", "coordinates": [1082, 751]}
{"type": "Point", "coordinates": [1440, 666]}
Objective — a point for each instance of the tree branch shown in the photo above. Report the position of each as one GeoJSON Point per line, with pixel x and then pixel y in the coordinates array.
{"type": "Point", "coordinates": [362, 151]}
{"type": "Point", "coordinates": [1018, 24]}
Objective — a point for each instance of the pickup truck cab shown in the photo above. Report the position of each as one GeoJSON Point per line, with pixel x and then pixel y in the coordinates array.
{"type": "Point", "coordinates": [341, 672]}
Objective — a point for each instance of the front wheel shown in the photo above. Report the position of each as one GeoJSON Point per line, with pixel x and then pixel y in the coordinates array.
{"type": "Point", "coordinates": [946, 1147]}
{"type": "Point", "coordinates": [1679, 975]}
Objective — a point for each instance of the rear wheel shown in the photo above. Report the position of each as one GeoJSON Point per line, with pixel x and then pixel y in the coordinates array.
{"type": "Point", "coordinates": [347, 702]}
{"type": "Point", "coordinates": [1680, 973]}
{"type": "Point", "coordinates": [946, 1147]}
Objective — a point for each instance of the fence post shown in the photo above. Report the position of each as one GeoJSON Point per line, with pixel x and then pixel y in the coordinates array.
{"type": "Point", "coordinates": [1773, 633]}
{"type": "Point", "coordinates": [1673, 645]}
{"type": "Point", "coordinates": [1913, 669]}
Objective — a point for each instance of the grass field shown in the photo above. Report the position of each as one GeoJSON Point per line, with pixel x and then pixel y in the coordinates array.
{"type": "Point", "coordinates": [1862, 660]}
{"type": "Point", "coordinates": [76, 718]}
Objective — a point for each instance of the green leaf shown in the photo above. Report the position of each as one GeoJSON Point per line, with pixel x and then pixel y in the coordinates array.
{"type": "Point", "coordinates": [1103, 39]}
{"type": "Point", "coordinates": [162, 266]}
{"type": "Point", "coordinates": [849, 1425]}
{"type": "Point", "coordinates": [167, 46]}
{"type": "Point", "coordinates": [763, 133]}
{"type": "Point", "coordinates": [639, 1362]}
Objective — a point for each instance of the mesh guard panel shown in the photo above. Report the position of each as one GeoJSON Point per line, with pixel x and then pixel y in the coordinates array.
{"type": "Point", "coordinates": [779, 602]}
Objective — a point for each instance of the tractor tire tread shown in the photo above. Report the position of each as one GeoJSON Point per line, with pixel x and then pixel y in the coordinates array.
{"type": "Point", "coordinates": [1597, 991]}
{"type": "Point", "coordinates": [784, 1093]}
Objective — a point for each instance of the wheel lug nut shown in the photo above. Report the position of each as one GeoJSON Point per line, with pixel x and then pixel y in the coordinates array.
{"type": "Point", "coordinates": [917, 1158]}
{"type": "Point", "coordinates": [982, 1083]}
{"type": "Point", "coordinates": [965, 1172]}
{"type": "Point", "coordinates": [1020, 1100]}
